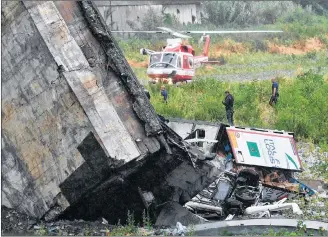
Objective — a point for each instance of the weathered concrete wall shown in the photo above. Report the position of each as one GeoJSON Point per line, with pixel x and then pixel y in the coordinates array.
{"type": "Point", "coordinates": [41, 118]}
{"type": "Point", "coordinates": [118, 14]}
{"type": "Point", "coordinates": [56, 91]}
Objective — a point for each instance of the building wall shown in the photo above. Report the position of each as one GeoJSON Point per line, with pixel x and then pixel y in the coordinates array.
{"type": "Point", "coordinates": [135, 11]}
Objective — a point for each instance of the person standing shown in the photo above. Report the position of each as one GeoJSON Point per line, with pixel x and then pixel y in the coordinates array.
{"type": "Point", "coordinates": [228, 103]}
{"type": "Point", "coordinates": [275, 92]}
{"type": "Point", "coordinates": [164, 93]}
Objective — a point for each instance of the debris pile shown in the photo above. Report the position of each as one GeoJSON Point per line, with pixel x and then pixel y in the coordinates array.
{"type": "Point", "coordinates": [248, 187]}
{"type": "Point", "coordinates": [15, 222]}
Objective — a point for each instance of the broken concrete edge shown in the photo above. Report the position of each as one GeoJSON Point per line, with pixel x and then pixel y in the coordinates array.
{"type": "Point", "coordinates": [120, 173]}
{"type": "Point", "coordinates": [316, 225]}
{"type": "Point", "coordinates": [198, 122]}
{"type": "Point", "coordinates": [172, 212]}
{"type": "Point", "coordinates": [177, 141]}
{"type": "Point", "coordinates": [117, 62]}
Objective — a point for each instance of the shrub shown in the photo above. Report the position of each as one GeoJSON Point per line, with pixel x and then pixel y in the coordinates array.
{"type": "Point", "coordinates": [302, 23]}
{"type": "Point", "coordinates": [236, 14]}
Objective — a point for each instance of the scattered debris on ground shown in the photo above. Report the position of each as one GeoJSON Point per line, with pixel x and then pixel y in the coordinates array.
{"type": "Point", "coordinates": [17, 223]}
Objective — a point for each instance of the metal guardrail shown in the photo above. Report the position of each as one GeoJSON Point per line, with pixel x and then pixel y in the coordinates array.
{"type": "Point", "coordinates": [316, 225]}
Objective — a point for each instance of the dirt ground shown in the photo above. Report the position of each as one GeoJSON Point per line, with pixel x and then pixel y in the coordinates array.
{"type": "Point", "coordinates": [301, 47]}
{"type": "Point", "coordinates": [135, 64]}
{"type": "Point", "coordinates": [228, 47]}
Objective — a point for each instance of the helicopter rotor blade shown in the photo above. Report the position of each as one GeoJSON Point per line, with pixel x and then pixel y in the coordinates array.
{"type": "Point", "coordinates": [175, 33]}
{"type": "Point", "coordinates": [165, 31]}
{"type": "Point", "coordinates": [181, 34]}
{"type": "Point", "coordinates": [232, 31]}
{"type": "Point", "coordinates": [139, 31]}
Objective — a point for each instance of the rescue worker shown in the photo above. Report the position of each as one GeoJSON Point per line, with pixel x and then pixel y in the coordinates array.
{"type": "Point", "coordinates": [275, 92]}
{"type": "Point", "coordinates": [164, 93]}
{"type": "Point", "coordinates": [228, 103]}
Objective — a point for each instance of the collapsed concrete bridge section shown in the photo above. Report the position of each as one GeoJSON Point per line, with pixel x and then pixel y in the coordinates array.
{"type": "Point", "coordinates": [80, 138]}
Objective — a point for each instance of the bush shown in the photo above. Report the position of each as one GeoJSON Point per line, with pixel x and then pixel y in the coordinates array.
{"type": "Point", "coordinates": [303, 108]}
{"type": "Point", "coordinates": [243, 14]}
{"type": "Point", "coordinates": [259, 45]}
{"type": "Point", "coordinates": [302, 24]}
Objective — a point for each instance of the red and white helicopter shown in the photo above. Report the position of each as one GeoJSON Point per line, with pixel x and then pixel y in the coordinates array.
{"type": "Point", "coordinates": [177, 61]}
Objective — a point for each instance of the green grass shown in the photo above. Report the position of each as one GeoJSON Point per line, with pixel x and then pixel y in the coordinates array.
{"type": "Point", "coordinates": [265, 57]}
{"type": "Point", "coordinates": [132, 228]}
{"type": "Point", "coordinates": [131, 48]}
{"type": "Point", "coordinates": [251, 68]}
{"type": "Point", "coordinates": [302, 106]}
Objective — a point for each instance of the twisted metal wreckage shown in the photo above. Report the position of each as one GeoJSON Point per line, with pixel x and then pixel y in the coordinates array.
{"type": "Point", "coordinates": [82, 141]}
{"type": "Point", "coordinates": [259, 167]}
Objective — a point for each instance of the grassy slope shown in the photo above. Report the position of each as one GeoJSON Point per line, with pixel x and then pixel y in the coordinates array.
{"type": "Point", "coordinates": [302, 107]}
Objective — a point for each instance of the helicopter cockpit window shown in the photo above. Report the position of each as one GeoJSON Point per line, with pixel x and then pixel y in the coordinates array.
{"type": "Point", "coordinates": [155, 58]}
{"type": "Point", "coordinates": [170, 58]}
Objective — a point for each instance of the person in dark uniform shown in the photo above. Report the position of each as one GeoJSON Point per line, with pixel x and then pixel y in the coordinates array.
{"type": "Point", "coordinates": [164, 93]}
{"type": "Point", "coordinates": [275, 92]}
{"type": "Point", "coordinates": [228, 103]}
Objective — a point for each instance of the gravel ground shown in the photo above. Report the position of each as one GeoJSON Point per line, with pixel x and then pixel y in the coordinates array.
{"type": "Point", "coordinates": [310, 156]}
